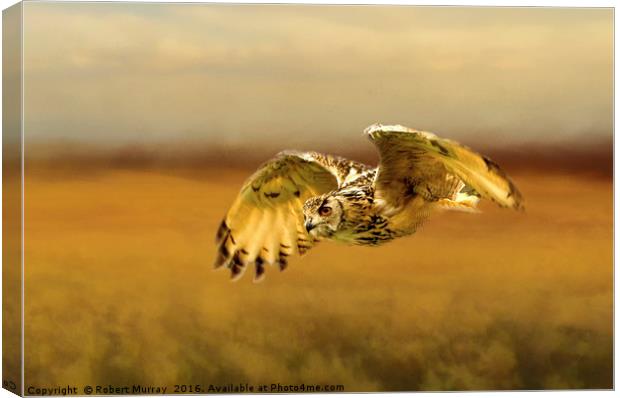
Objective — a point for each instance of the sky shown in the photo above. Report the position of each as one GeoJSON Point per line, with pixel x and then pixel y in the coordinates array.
{"type": "Point", "coordinates": [292, 75]}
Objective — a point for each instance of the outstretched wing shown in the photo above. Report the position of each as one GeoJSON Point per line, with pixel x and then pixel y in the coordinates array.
{"type": "Point", "coordinates": [265, 223]}
{"type": "Point", "coordinates": [420, 163]}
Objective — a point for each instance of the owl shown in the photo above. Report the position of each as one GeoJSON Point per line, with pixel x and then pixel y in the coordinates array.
{"type": "Point", "coordinates": [297, 199]}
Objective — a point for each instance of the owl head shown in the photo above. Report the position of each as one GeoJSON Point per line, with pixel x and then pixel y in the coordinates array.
{"type": "Point", "coordinates": [323, 215]}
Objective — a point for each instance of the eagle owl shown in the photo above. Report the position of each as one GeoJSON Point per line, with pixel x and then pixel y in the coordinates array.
{"type": "Point", "coordinates": [299, 198]}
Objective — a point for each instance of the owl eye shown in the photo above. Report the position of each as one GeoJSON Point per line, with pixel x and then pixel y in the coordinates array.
{"type": "Point", "coordinates": [325, 211]}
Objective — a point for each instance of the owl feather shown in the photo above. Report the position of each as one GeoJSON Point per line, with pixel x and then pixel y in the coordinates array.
{"type": "Point", "coordinates": [298, 198]}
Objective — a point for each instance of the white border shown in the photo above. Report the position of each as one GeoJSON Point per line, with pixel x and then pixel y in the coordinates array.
{"type": "Point", "coordinates": [541, 3]}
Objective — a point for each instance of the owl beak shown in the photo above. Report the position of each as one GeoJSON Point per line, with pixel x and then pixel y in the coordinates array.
{"type": "Point", "coordinates": [309, 226]}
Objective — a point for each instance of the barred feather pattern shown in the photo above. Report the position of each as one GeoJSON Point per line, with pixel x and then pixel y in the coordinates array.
{"type": "Point", "coordinates": [418, 174]}
{"type": "Point", "coordinates": [264, 226]}
{"type": "Point", "coordinates": [416, 162]}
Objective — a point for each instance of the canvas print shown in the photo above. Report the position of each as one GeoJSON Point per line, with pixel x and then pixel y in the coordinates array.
{"type": "Point", "coordinates": [228, 198]}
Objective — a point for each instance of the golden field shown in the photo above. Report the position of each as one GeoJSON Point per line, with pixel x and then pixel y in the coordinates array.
{"type": "Point", "coordinates": [120, 290]}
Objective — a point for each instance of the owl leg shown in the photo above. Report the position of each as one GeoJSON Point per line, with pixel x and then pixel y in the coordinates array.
{"type": "Point", "coordinates": [467, 205]}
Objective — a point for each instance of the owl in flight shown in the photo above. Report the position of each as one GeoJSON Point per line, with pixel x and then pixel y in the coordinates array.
{"type": "Point", "coordinates": [297, 199]}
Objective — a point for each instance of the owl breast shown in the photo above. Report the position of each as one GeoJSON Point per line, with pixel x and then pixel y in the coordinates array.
{"type": "Point", "coordinates": [368, 222]}
{"type": "Point", "coordinates": [373, 231]}
{"type": "Point", "coordinates": [362, 222]}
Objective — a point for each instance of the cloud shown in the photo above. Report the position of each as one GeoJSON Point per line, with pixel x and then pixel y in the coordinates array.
{"type": "Point", "coordinates": [136, 72]}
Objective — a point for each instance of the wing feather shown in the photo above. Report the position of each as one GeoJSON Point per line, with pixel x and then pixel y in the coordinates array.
{"type": "Point", "coordinates": [264, 225]}
{"type": "Point", "coordinates": [418, 160]}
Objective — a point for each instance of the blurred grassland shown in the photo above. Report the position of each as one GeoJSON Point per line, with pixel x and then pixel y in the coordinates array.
{"type": "Point", "coordinates": [119, 289]}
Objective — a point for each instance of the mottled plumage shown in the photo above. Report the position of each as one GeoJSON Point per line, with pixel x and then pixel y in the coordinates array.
{"type": "Point", "coordinates": [298, 198]}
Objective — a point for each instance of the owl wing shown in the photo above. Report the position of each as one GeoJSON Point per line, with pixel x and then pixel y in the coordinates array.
{"type": "Point", "coordinates": [420, 163]}
{"type": "Point", "coordinates": [265, 222]}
